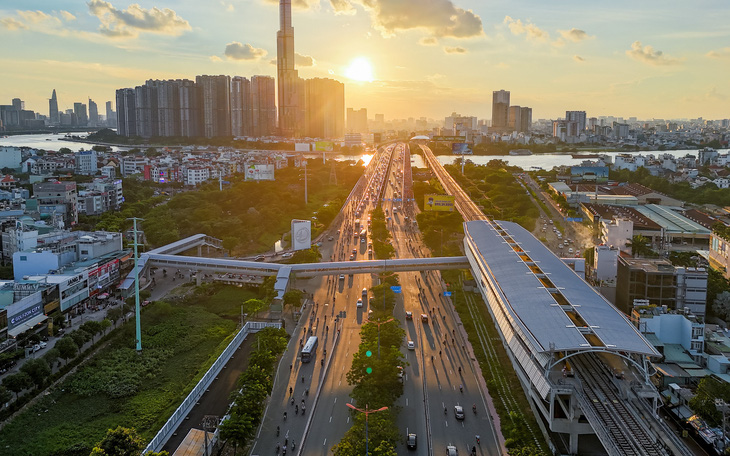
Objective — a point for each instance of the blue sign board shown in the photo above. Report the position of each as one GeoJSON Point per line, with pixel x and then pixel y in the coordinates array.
{"type": "Point", "coordinates": [447, 293]}
{"type": "Point", "coordinates": [574, 219]}
{"type": "Point", "coordinates": [396, 289]}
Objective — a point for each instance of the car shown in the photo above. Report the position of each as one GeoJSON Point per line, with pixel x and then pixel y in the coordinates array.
{"type": "Point", "coordinates": [352, 257]}
{"type": "Point", "coordinates": [452, 451]}
{"type": "Point", "coordinates": [354, 251]}
{"type": "Point", "coordinates": [411, 345]}
{"type": "Point", "coordinates": [359, 303]}
{"type": "Point", "coordinates": [459, 412]}
{"type": "Point", "coordinates": [409, 315]}
{"type": "Point", "coordinates": [42, 344]}
{"type": "Point", "coordinates": [570, 250]}
{"type": "Point", "coordinates": [424, 318]}
{"type": "Point", "coordinates": [259, 258]}
{"type": "Point", "coordinates": [411, 441]}
{"type": "Point", "coordinates": [342, 276]}
{"type": "Point", "coordinates": [400, 372]}
{"type": "Point", "coordinates": [287, 255]}
{"type": "Point", "coordinates": [330, 238]}
{"type": "Point", "coordinates": [36, 347]}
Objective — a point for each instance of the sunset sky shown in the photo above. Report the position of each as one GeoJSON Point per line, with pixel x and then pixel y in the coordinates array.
{"type": "Point", "coordinates": [648, 59]}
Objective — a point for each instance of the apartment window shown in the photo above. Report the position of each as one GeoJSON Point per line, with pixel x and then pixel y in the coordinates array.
{"type": "Point", "coordinates": [23, 258]}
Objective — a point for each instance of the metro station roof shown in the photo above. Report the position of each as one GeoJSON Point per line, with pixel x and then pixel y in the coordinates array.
{"type": "Point", "coordinates": [545, 321]}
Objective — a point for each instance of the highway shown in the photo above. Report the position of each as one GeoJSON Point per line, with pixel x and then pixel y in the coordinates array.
{"type": "Point", "coordinates": [431, 376]}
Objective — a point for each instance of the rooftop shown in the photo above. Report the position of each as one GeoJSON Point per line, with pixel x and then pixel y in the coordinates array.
{"type": "Point", "coordinates": [554, 307]}
{"type": "Point", "coordinates": [672, 221]}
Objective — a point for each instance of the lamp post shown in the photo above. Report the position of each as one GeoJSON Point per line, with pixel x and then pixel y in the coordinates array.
{"type": "Point", "coordinates": [722, 406]}
{"type": "Point", "coordinates": [366, 412]}
{"type": "Point", "coordinates": [379, 323]}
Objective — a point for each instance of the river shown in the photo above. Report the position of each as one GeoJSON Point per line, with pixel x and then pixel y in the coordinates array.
{"type": "Point", "coordinates": [526, 162]}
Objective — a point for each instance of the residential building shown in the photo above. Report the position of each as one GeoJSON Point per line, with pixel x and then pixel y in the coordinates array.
{"type": "Point", "coordinates": [216, 104]}
{"type": "Point", "coordinates": [263, 106]}
{"type": "Point", "coordinates": [126, 112]}
{"type": "Point", "coordinates": [579, 117]}
{"type": "Point", "coordinates": [241, 110]}
{"type": "Point", "coordinates": [86, 162]}
{"type": "Point", "coordinates": [357, 120]}
{"type": "Point", "coordinates": [500, 109]}
{"type": "Point", "coordinates": [57, 199]}
{"type": "Point", "coordinates": [325, 108]}
{"type": "Point", "coordinates": [82, 118]}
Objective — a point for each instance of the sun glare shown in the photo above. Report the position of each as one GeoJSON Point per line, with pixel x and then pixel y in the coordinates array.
{"type": "Point", "coordinates": [360, 70]}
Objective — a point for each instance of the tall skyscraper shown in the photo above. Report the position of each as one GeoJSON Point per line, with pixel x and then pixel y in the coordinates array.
{"type": "Point", "coordinates": [216, 91]}
{"type": "Point", "coordinates": [263, 105]}
{"type": "Point", "coordinates": [500, 109]}
{"type": "Point", "coordinates": [579, 117]}
{"type": "Point", "coordinates": [289, 84]}
{"type": "Point", "coordinates": [111, 116]}
{"type": "Point", "coordinates": [93, 113]}
{"type": "Point", "coordinates": [325, 108]}
{"type": "Point", "coordinates": [191, 116]}
{"type": "Point", "coordinates": [126, 112]}
{"type": "Point", "coordinates": [18, 104]}
{"type": "Point", "coordinates": [53, 109]}
{"type": "Point", "coordinates": [82, 118]}
{"type": "Point", "coordinates": [357, 120]}
{"type": "Point", "coordinates": [241, 111]}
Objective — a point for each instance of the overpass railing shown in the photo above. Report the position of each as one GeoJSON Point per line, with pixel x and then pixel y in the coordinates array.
{"type": "Point", "coordinates": [163, 435]}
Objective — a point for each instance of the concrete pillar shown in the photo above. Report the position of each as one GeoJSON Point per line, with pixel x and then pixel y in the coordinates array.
{"type": "Point", "coordinates": [200, 250]}
{"type": "Point", "coordinates": [573, 443]}
{"type": "Point", "coordinates": [198, 278]}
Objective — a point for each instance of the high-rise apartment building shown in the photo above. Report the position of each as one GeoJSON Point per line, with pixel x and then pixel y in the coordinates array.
{"type": "Point", "coordinates": [579, 117]}
{"type": "Point", "coordinates": [191, 115]}
{"type": "Point", "coordinates": [500, 109]}
{"type": "Point", "coordinates": [126, 112]}
{"type": "Point", "coordinates": [325, 108]}
{"type": "Point", "coordinates": [168, 108]}
{"type": "Point", "coordinates": [18, 104]}
{"type": "Point", "coordinates": [263, 105]}
{"type": "Point", "coordinates": [86, 162]}
{"type": "Point", "coordinates": [289, 84]}
{"type": "Point", "coordinates": [82, 118]}
{"type": "Point", "coordinates": [357, 120]}
{"type": "Point", "coordinates": [146, 107]}
{"type": "Point", "coordinates": [53, 109]}
{"type": "Point", "coordinates": [111, 116]}
{"type": "Point", "coordinates": [216, 104]}
{"type": "Point", "coordinates": [93, 113]}
{"type": "Point", "coordinates": [241, 111]}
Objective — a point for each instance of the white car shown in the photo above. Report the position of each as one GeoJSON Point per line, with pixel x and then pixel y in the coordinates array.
{"type": "Point", "coordinates": [287, 255]}
{"type": "Point", "coordinates": [359, 303]}
{"type": "Point", "coordinates": [411, 345]}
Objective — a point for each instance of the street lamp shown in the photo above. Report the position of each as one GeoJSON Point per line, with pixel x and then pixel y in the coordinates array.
{"type": "Point", "coordinates": [136, 288]}
{"type": "Point", "coordinates": [366, 412]}
{"type": "Point", "coordinates": [722, 406]}
{"type": "Point", "coordinates": [379, 323]}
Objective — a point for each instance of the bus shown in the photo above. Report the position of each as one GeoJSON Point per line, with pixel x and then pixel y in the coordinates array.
{"type": "Point", "coordinates": [363, 235]}
{"type": "Point", "coordinates": [357, 224]}
{"type": "Point", "coordinates": [309, 350]}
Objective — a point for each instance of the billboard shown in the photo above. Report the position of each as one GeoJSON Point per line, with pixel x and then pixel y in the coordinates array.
{"type": "Point", "coordinates": [438, 203]}
{"type": "Point", "coordinates": [597, 174]}
{"type": "Point", "coordinates": [301, 147]}
{"type": "Point", "coordinates": [448, 138]}
{"type": "Point", "coordinates": [460, 149]}
{"type": "Point", "coordinates": [323, 146]}
{"type": "Point", "coordinates": [301, 234]}
{"type": "Point", "coordinates": [260, 172]}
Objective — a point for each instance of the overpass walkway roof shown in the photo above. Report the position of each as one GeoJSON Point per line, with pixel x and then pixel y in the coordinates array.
{"type": "Point", "coordinates": [556, 309]}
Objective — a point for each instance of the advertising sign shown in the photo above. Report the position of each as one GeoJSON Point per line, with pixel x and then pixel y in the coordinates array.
{"type": "Point", "coordinates": [24, 310]}
{"type": "Point", "coordinates": [438, 203]}
{"type": "Point", "coordinates": [323, 146]}
{"type": "Point", "coordinates": [396, 289]}
{"type": "Point", "coordinates": [448, 138]}
{"type": "Point", "coordinates": [74, 290]}
{"type": "Point", "coordinates": [460, 149]}
{"type": "Point", "coordinates": [301, 147]}
{"type": "Point", "coordinates": [260, 172]}
{"type": "Point", "coordinates": [301, 234]}
{"type": "Point", "coordinates": [447, 294]}
{"type": "Point", "coordinates": [597, 174]}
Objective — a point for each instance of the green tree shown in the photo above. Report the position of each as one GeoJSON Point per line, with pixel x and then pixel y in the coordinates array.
{"type": "Point", "coordinates": [5, 396]}
{"type": "Point", "coordinates": [237, 429]}
{"type": "Point", "coordinates": [119, 442]}
{"type": "Point", "coordinates": [92, 327]}
{"type": "Point", "coordinates": [105, 324]}
{"type": "Point", "coordinates": [51, 356]}
{"type": "Point", "coordinates": [38, 370]}
{"type": "Point", "coordinates": [80, 337]}
{"type": "Point", "coordinates": [17, 382]}
{"type": "Point", "coordinates": [254, 306]}
{"type": "Point", "coordinates": [67, 348]}
{"type": "Point", "coordinates": [230, 243]}
{"type": "Point", "coordinates": [639, 245]}
{"type": "Point", "coordinates": [293, 297]}
{"type": "Point", "coordinates": [114, 314]}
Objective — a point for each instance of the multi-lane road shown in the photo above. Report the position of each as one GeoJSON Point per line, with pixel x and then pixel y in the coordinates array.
{"type": "Point", "coordinates": [439, 374]}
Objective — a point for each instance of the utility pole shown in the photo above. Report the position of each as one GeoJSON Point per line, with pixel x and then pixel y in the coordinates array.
{"type": "Point", "coordinates": [305, 182]}
{"type": "Point", "coordinates": [136, 288]}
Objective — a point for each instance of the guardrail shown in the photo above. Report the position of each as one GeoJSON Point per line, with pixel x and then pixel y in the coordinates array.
{"type": "Point", "coordinates": [163, 435]}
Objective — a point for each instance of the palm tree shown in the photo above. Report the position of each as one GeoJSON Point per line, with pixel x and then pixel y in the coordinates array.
{"type": "Point", "coordinates": [639, 245]}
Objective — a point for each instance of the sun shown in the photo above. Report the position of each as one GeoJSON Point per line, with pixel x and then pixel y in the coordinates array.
{"type": "Point", "coordinates": [360, 70]}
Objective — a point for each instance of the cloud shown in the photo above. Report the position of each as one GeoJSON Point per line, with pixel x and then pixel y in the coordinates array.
{"type": "Point", "coordinates": [578, 58]}
{"type": "Point", "coordinates": [12, 24]}
{"type": "Point", "coordinates": [723, 53]}
{"type": "Point", "coordinates": [575, 35]}
{"type": "Point", "coordinates": [239, 51]}
{"type": "Point", "coordinates": [215, 58]}
{"type": "Point", "coordinates": [428, 41]}
{"type": "Point", "coordinates": [438, 18]}
{"type": "Point", "coordinates": [647, 54]}
{"type": "Point", "coordinates": [67, 16]}
{"type": "Point", "coordinates": [342, 7]}
{"type": "Point", "coordinates": [455, 50]}
{"type": "Point", "coordinates": [303, 60]}
{"type": "Point", "coordinates": [530, 30]}
{"type": "Point", "coordinates": [135, 19]}
{"type": "Point", "coordinates": [228, 6]}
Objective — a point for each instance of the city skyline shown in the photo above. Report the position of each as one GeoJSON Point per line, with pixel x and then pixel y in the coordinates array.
{"type": "Point", "coordinates": [448, 57]}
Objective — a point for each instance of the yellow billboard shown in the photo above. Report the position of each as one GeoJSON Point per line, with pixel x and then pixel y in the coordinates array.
{"type": "Point", "coordinates": [325, 146]}
{"type": "Point", "coordinates": [438, 203]}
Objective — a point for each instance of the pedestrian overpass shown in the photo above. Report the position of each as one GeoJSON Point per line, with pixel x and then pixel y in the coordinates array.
{"type": "Point", "coordinates": [165, 257]}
